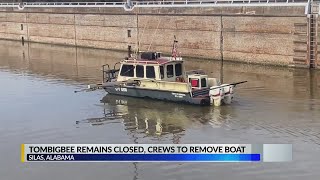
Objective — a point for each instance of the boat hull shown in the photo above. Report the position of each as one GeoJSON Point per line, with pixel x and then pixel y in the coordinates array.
{"type": "Point", "coordinates": [159, 95]}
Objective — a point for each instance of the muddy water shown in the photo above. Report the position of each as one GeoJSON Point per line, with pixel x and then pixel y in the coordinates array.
{"type": "Point", "coordinates": [37, 105]}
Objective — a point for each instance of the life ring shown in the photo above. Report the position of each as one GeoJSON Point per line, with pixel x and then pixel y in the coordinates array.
{"type": "Point", "coordinates": [128, 7]}
{"type": "Point", "coordinates": [21, 6]}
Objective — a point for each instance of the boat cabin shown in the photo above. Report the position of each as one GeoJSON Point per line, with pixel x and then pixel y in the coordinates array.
{"type": "Point", "coordinates": [152, 66]}
{"type": "Point", "coordinates": [198, 81]}
{"type": "Point", "coordinates": [168, 71]}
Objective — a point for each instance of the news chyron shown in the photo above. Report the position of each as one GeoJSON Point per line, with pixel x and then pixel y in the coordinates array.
{"type": "Point", "coordinates": [156, 152]}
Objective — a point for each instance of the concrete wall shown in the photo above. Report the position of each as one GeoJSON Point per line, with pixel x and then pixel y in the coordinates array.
{"type": "Point", "coordinates": [274, 35]}
{"type": "Point", "coordinates": [83, 65]}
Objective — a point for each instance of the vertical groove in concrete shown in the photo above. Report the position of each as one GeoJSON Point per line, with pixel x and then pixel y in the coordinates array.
{"type": "Point", "coordinates": [221, 49]}
{"type": "Point", "coordinates": [309, 40]}
{"type": "Point", "coordinates": [316, 40]}
{"type": "Point", "coordinates": [138, 33]}
{"type": "Point", "coordinates": [27, 24]}
{"type": "Point", "coordinates": [75, 29]}
{"type": "Point", "coordinates": [221, 37]}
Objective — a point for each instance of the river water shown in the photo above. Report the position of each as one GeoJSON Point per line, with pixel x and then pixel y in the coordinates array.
{"type": "Point", "coordinates": [38, 105]}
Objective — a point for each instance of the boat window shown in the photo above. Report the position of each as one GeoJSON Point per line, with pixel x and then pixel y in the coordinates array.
{"type": "Point", "coordinates": [203, 82]}
{"type": "Point", "coordinates": [195, 82]}
{"type": "Point", "coordinates": [150, 72]}
{"type": "Point", "coordinates": [140, 71]}
{"type": "Point", "coordinates": [127, 70]}
{"type": "Point", "coordinates": [178, 68]}
{"type": "Point", "coordinates": [161, 72]}
{"type": "Point", "coordinates": [170, 71]}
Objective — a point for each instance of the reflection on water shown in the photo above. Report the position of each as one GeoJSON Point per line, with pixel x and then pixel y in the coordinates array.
{"type": "Point", "coordinates": [277, 105]}
{"type": "Point", "coordinates": [160, 119]}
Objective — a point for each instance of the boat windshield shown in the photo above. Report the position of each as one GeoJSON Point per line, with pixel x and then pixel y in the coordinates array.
{"type": "Point", "coordinates": [161, 72]}
{"type": "Point", "coordinates": [178, 69]}
{"type": "Point", "coordinates": [150, 72]}
{"type": "Point", "coordinates": [127, 70]}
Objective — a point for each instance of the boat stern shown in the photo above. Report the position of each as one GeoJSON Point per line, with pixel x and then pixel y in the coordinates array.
{"type": "Point", "coordinates": [222, 94]}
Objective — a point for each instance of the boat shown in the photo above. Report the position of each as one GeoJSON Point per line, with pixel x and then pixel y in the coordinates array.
{"type": "Point", "coordinates": [150, 75]}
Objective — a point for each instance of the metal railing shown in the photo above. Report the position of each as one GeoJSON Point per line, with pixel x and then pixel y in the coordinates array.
{"type": "Point", "coordinates": [64, 4]}
{"type": "Point", "coordinates": [195, 3]}
{"type": "Point", "coordinates": [129, 5]}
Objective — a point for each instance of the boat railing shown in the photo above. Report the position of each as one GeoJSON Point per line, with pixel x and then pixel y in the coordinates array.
{"type": "Point", "coordinates": [197, 71]}
{"type": "Point", "coordinates": [109, 74]}
{"type": "Point", "coordinates": [104, 71]}
{"type": "Point", "coordinates": [145, 61]}
{"type": "Point", "coordinates": [140, 61]}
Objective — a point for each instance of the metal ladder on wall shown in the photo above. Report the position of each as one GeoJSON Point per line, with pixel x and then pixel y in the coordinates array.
{"type": "Point", "coordinates": [312, 38]}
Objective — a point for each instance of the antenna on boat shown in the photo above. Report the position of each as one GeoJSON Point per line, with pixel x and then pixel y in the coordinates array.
{"type": "Point", "coordinates": [174, 48]}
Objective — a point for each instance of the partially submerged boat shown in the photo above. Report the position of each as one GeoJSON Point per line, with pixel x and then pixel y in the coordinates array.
{"type": "Point", "coordinates": [150, 75]}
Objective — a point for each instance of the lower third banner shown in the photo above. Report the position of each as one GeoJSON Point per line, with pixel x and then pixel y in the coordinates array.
{"type": "Point", "coordinates": [145, 157]}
